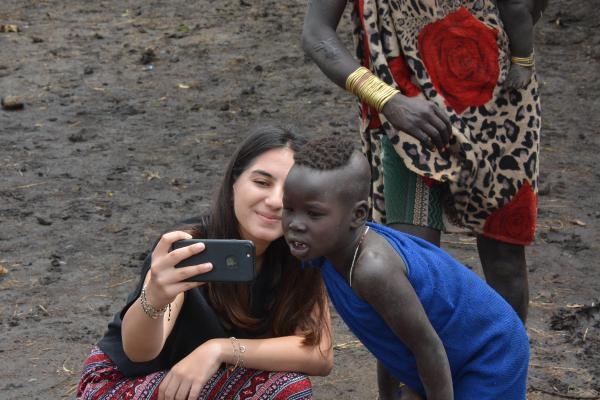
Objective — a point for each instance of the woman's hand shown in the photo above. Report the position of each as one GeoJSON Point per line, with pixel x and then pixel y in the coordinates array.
{"type": "Point", "coordinates": [421, 119]}
{"type": "Point", "coordinates": [164, 281]}
{"type": "Point", "coordinates": [144, 335]}
{"type": "Point", "coordinates": [187, 378]}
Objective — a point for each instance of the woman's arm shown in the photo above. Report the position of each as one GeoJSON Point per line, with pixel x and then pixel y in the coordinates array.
{"type": "Point", "coordinates": [273, 354]}
{"type": "Point", "coordinates": [143, 336]}
{"type": "Point", "coordinates": [286, 353]}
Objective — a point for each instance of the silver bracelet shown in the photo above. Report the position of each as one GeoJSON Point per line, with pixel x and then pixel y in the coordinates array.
{"type": "Point", "coordinates": [152, 311]}
{"type": "Point", "coordinates": [238, 353]}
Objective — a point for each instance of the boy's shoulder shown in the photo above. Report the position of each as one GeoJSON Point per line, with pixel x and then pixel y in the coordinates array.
{"type": "Point", "coordinates": [378, 261]}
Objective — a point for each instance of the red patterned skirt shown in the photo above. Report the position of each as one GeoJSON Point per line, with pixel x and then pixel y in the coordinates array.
{"type": "Point", "coordinates": [101, 380]}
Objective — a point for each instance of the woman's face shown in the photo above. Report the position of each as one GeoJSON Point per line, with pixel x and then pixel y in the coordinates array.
{"type": "Point", "coordinates": [258, 194]}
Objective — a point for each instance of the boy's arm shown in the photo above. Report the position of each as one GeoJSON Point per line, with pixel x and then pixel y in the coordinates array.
{"type": "Point", "coordinates": [380, 280]}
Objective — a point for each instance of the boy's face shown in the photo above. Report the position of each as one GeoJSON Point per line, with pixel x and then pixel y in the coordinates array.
{"type": "Point", "coordinates": [315, 214]}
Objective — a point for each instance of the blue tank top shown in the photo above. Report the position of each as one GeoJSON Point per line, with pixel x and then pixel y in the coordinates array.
{"type": "Point", "coordinates": [485, 341]}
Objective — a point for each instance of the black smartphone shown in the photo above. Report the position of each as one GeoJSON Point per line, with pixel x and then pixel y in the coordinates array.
{"type": "Point", "coordinates": [233, 260]}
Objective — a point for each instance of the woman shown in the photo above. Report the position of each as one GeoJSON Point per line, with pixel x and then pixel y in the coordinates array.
{"type": "Point", "coordinates": [189, 340]}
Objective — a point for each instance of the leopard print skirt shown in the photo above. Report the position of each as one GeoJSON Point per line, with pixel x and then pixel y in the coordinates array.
{"type": "Point", "coordinates": [455, 54]}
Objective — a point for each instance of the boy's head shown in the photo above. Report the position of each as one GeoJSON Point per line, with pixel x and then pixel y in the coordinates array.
{"type": "Point", "coordinates": [342, 159]}
{"type": "Point", "coordinates": [325, 196]}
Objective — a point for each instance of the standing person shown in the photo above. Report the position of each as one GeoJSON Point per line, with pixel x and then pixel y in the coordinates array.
{"type": "Point", "coordinates": [433, 323]}
{"type": "Point", "coordinates": [437, 119]}
{"type": "Point", "coordinates": [190, 340]}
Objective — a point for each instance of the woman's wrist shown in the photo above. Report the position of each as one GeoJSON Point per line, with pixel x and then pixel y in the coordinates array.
{"type": "Point", "coordinates": [150, 309]}
{"type": "Point", "coordinates": [230, 351]}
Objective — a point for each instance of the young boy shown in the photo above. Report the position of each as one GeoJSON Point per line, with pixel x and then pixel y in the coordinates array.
{"type": "Point", "coordinates": [519, 17]}
{"type": "Point", "coordinates": [433, 323]}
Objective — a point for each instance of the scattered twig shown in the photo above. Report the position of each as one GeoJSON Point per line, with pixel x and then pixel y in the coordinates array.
{"type": "Point", "coordinates": [539, 332]}
{"type": "Point", "coordinates": [459, 243]}
{"type": "Point", "coordinates": [30, 185]}
{"type": "Point", "coordinates": [71, 390]}
{"type": "Point", "coordinates": [553, 367]}
{"type": "Point", "coordinates": [348, 345]}
{"type": "Point", "coordinates": [119, 283]}
{"type": "Point", "coordinates": [563, 395]}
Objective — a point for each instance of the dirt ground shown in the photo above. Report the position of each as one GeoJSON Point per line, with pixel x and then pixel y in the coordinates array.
{"type": "Point", "coordinates": [130, 111]}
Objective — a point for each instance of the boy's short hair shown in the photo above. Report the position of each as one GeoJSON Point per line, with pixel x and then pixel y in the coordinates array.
{"type": "Point", "coordinates": [326, 153]}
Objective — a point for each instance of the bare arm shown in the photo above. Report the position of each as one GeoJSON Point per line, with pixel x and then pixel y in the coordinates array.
{"type": "Point", "coordinates": [287, 353]}
{"type": "Point", "coordinates": [321, 42]}
{"type": "Point", "coordinates": [144, 337]}
{"type": "Point", "coordinates": [419, 118]}
{"type": "Point", "coordinates": [380, 280]}
{"type": "Point", "coordinates": [518, 23]}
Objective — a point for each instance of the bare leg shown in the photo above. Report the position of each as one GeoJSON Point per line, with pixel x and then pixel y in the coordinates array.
{"type": "Point", "coordinates": [505, 269]}
{"type": "Point", "coordinates": [389, 387]}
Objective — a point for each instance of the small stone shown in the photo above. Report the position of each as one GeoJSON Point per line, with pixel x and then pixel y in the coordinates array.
{"type": "Point", "coordinates": [7, 28]}
{"type": "Point", "coordinates": [12, 103]}
{"type": "Point", "coordinates": [43, 221]}
{"type": "Point", "coordinates": [148, 56]}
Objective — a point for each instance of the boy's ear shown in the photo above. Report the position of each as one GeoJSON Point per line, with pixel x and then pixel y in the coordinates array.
{"type": "Point", "coordinates": [360, 213]}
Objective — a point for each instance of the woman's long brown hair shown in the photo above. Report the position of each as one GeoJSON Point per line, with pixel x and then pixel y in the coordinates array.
{"type": "Point", "coordinates": [295, 292]}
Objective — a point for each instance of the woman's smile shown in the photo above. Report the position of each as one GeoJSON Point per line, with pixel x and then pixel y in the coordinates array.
{"type": "Point", "coordinates": [270, 218]}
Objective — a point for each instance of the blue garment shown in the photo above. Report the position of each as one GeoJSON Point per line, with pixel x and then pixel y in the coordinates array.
{"type": "Point", "coordinates": [486, 342]}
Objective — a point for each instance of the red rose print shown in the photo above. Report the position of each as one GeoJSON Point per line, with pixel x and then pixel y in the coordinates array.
{"type": "Point", "coordinates": [515, 222]}
{"type": "Point", "coordinates": [430, 182]}
{"type": "Point", "coordinates": [460, 54]}
{"type": "Point", "coordinates": [401, 74]}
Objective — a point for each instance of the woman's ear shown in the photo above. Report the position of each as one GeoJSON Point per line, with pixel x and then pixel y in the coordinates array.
{"type": "Point", "coordinates": [360, 213]}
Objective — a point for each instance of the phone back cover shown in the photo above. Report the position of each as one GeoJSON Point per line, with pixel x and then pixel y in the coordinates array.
{"type": "Point", "coordinates": [233, 260]}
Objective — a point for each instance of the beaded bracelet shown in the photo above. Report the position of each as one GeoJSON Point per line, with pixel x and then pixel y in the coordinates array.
{"type": "Point", "coordinates": [152, 311]}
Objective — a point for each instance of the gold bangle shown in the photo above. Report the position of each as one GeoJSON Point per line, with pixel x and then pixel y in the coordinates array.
{"type": "Point", "coordinates": [354, 77]}
{"type": "Point", "coordinates": [526, 62]}
{"type": "Point", "coordinates": [370, 88]}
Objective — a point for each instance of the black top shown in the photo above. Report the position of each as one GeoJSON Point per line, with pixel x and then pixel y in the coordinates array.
{"type": "Point", "coordinates": [197, 322]}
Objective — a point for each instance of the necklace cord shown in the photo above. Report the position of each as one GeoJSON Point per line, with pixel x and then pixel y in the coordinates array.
{"type": "Point", "coordinates": [362, 237]}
